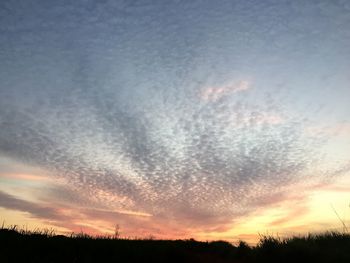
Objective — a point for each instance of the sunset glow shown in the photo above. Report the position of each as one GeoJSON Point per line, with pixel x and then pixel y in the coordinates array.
{"type": "Point", "coordinates": [175, 119]}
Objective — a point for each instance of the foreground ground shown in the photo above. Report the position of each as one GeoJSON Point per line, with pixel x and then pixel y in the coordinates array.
{"type": "Point", "coordinates": [44, 246]}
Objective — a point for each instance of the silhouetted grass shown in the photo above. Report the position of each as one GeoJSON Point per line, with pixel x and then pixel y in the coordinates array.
{"type": "Point", "coordinates": [17, 245]}
{"type": "Point", "coordinates": [326, 247]}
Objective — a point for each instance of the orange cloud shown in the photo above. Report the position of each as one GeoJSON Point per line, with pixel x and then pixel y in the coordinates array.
{"type": "Point", "coordinates": [294, 213]}
{"type": "Point", "coordinates": [25, 177]}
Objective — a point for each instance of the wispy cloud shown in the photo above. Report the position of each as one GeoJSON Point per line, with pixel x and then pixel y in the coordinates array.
{"type": "Point", "coordinates": [72, 217]}
{"type": "Point", "coordinates": [337, 129]}
{"type": "Point", "coordinates": [215, 93]}
{"type": "Point", "coordinates": [290, 216]}
{"type": "Point", "coordinates": [26, 177]}
{"type": "Point", "coordinates": [36, 210]}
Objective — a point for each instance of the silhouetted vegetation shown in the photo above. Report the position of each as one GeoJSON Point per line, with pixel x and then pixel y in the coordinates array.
{"type": "Point", "coordinates": [44, 246]}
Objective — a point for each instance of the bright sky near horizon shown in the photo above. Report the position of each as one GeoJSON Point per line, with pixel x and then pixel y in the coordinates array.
{"type": "Point", "coordinates": [176, 119]}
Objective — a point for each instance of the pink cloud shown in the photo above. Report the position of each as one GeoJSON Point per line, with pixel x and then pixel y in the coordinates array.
{"type": "Point", "coordinates": [215, 93]}
{"type": "Point", "coordinates": [339, 129]}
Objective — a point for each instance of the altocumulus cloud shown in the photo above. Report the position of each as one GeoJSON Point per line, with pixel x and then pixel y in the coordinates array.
{"type": "Point", "coordinates": [133, 118]}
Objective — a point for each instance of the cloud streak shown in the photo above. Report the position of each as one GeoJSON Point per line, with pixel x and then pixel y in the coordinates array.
{"type": "Point", "coordinates": [215, 93]}
{"type": "Point", "coordinates": [38, 211]}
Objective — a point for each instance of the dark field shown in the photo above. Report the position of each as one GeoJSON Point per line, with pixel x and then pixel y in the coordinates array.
{"type": "Point", "coordinates": [44, 246]}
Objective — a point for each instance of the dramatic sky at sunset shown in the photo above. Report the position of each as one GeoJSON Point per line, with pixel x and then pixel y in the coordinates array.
{"type": "Point", "coordinates": [176, 119]}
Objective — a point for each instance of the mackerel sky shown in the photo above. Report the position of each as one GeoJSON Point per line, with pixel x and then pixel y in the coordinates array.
{"type": "Point", "coordinates": [170, 117]}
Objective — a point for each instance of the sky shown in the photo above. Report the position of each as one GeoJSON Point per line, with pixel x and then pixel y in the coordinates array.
{"type": "Point", "coordinates": [175, 119]}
